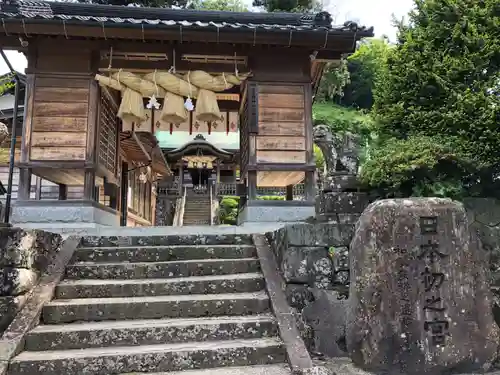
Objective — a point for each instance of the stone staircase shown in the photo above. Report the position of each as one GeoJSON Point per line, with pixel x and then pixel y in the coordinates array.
{"type": "Point", "coordinates": [158, 305]}
{"type": "Point", "coordinates": [197, 209]}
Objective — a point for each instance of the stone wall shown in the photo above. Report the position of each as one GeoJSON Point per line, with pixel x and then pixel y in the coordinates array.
{"type": "Point", "coordinates": [25, 254]}
{"type": "Point", "coordinates": [313, 258]}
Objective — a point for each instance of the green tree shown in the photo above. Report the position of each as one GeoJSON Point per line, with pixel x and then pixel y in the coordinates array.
{"type": "Point", "coordinates": [226, 5]}
{"type": "Point", "coordinates": [145, 3]}
{"type": "Point", "coordinates": [333, 81]}
{"type": "Point", "coordinates": [442, 83]}
{"type": "Point", "coordinates": [366, 67]}
{"type": "Point", "coordinates": [288, 5]}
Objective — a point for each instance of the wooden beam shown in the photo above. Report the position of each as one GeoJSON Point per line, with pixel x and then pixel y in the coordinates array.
{"type": "Point", "coordinates": [182, 66]}
{"type": "Point", "coordinates": [281, 167]}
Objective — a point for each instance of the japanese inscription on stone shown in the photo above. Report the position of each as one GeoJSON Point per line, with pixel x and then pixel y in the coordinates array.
{"type": "Point", "coordinates": [432, 279]}
{"type": "Point", "coordinates": [419, 296]}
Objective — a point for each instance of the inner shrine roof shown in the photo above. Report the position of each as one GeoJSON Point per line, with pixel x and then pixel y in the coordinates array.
{"type": "Point", "coordinates": [199, 144]}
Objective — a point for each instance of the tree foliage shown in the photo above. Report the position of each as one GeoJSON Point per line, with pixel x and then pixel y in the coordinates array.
{"type": "Point", "coordinates": [141, 3]}
{"type": "Point", "coordinates": [366, 67]}
{"type": "Point", "coordinates": [7, 83]}
{"type": "Point", "coordinates": [417, 166]}
{"type": "Point", "coordinates": [352, 81]}
{"type": "Point", "coordinates": [442, 83]}
{"type": "Point", "coordinates": [301, 6]}
{"type": "Point", "coordinates": [333, 81]}
{"type": "Point", "coordinates": [226, 5]}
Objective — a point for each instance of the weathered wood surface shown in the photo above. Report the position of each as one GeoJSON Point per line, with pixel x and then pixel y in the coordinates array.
{"type": "Point", "coordinates": [59, 124]}
{"type": "Point", "coordinates": [57, 153]}
{"type": "Point", "coordinates": [59, 119]}
{"type": "Point", "coordinates": [283, 157]}
{"type": "Point", "coordinates": [62, 94]}
{"type": "Point", "coordinates": [67, 139]}
{"type": "Point", "coordinates": [281, 128]}
{"type": "Point", "coordinates": [62, 176]}
{"type": "Point", "coordinates": [279, 178]}
{"type": "Point", "coordinates": [280, 114]}
{"type": "Point", "coordinates": [51, 109]}
{"type": "Point", "coordinates": [280, 100]}
{"type": "Point", "coordinates": [281, 143]}
{"type": "Point", "coordinates": [279, 89]}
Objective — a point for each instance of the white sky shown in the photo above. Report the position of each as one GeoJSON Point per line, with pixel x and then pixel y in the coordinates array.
{"type": "Point", "coordinates": [366, 12]}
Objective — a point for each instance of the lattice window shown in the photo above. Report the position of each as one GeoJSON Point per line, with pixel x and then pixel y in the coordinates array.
{"type": "Point", "coordinates": [108, 129]}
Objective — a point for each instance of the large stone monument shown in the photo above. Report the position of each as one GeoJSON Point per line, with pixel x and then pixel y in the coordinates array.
{"type": "Point", "coordinates": [419, 299]}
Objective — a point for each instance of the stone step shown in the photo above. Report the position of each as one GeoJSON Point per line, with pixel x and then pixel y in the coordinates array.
{"type": "Point", "coordinates": [150, 358]}
{"type": "Point", "coordinates": [278, 369]}
{"type": "Point", "coordinates": [193, 239]}
{"type": "Point", "coordinates": [184, 306]}
{"type": "Point", "coordinates": [95, 288]}
{"type": "Point", "coordinates": [149, 332]}
{"type": "Point", "coordinates": [162, 253]}
{"type": "Point", "coordinates": [155, 270]}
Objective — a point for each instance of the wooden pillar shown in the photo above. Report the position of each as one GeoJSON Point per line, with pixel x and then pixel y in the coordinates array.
{"type": "Point", "coordinates": [217, 173]}
{"type": "Point", "coordinates": [63, 192]}
{"type": "Point", "coordinates": [38, 189]}
{"type": "Point", "coordinates": [310, 186]}
{"type": "Point", "coordinates": [89, 185]}
{"type": "Point", "coordinates": [252, 185]}
{"type": "Point", "coordinates": [24, 187]}
{"type": "Point", "coordinates": [289, 193]}
{"type": "Point", "coordinates": [124, 195]}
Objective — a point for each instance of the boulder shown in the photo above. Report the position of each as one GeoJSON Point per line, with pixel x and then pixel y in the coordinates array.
{"type": "Point", "coordinates": [15, 281]}
{"type": "Point", "coordinates": [326, 316]}
{"type": "Point", "coordinates": [419, 298]}
{"type": "Point", "coordinates": [307, 265]}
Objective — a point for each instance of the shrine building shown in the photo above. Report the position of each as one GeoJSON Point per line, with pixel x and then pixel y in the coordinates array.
{"type": "Point", "coordinates": [127, 108]}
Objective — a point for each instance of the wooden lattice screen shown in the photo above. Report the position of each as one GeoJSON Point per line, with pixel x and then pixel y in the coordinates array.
{"type": "Point", "coordinates": [108, 133]}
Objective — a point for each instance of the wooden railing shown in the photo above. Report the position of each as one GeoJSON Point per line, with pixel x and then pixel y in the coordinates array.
{"type": "Point", "coordinates": [225, 189]}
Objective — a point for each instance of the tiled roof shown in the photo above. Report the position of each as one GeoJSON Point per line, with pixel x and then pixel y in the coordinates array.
{"type": "Point", "coordinates": [106, 14]}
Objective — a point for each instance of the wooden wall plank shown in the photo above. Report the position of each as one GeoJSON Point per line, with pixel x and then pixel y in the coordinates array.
{"type": "Point", "coordinates": [62, 94]}
{"type": "Point", "coordinates": [57, 153]}
{"type": "Point", "coordinates": [61, 82]}
{"type": "Point", "coordinates": [283, 157]}
{"type": "Point", "coordinates": [58, 124]}
{"type": "Point", "coordinates": [282, 128]}
{"type": "Point", "coordinates": [280, 114]}
{"type": "Point", "coordinates": [60, 109]}
{"type": "Point", "coordinates": [281, 101]}
{"type": "Point", "coordinates": [279, 89]}
{"type": "Point", "coordinates": [281, 143]}
{"type": "Point", "coordinates": [57, 139]}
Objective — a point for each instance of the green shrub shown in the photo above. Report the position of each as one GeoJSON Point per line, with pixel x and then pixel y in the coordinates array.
{"type": "Point", "coordinates": [271, 198]}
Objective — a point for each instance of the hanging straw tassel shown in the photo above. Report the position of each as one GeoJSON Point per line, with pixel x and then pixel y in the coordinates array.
{"type": "Point", "coordinates": [132, 107]}
{"type": "Point", "coordinates": [173, 109]}
{"type": "Point", "coordinates": [207, 108]}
